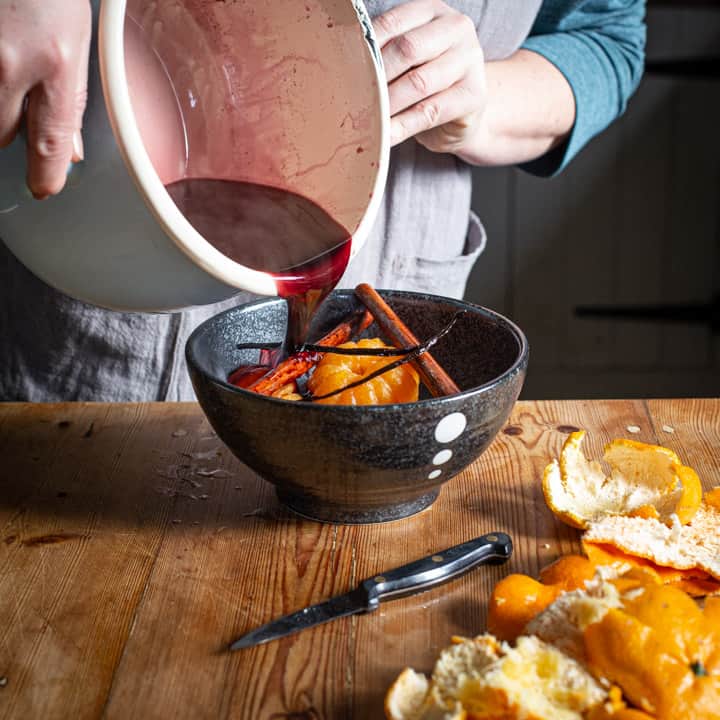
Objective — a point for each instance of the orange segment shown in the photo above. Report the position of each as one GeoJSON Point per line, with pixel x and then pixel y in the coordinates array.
{"type": "Point", "coordinates": [335, 371]}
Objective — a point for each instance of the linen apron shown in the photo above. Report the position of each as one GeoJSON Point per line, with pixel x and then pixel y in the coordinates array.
{"type": "Point", "coordinates": [425, 238]}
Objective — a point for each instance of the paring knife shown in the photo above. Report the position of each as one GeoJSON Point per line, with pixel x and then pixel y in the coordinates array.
{"type": "Point", "coordinates": [415, 577]}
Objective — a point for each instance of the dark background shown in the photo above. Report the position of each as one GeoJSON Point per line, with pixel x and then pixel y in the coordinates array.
{"type": "Point", "coordinates": [634, 222]}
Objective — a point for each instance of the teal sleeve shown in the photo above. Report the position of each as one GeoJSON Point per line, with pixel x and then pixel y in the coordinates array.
{"type": "Point", "coordinates": [599, 46]}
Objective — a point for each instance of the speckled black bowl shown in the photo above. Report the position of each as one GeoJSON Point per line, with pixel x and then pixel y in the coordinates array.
{"type": "Point", "coordinates": [349, 464]}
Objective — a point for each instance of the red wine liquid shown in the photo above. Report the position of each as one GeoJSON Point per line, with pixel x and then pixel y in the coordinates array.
{"type": "Point", "coordinates": [273, 230]}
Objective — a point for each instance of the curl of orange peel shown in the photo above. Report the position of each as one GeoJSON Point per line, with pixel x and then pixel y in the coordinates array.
{"type": "Point", "coordinates": [647, 511]}
{"type": "Point", "coordinates": [644, 480]}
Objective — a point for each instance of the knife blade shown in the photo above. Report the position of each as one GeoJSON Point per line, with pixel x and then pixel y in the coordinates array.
{"type": "Point", "coordinates": [415, 577]}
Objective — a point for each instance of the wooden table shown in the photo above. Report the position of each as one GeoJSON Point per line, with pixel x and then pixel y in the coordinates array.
{"type": "Point", "coordinates": [134, 548]}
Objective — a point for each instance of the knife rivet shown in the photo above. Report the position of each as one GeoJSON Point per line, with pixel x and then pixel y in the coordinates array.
{"type": "Point", "coordinates": [492, 538]}
{"type": "Point", "coordinates": [379, 579]}
{"type": "Point", "coordinates": [437, 558]}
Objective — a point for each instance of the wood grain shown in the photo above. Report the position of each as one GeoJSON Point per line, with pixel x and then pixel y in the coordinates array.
{"type": "Point", "coordinates": [134, 548]}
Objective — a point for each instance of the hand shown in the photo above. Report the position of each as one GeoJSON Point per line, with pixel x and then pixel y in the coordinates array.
{"type": "Point", "coordinates": [44, 46]}
{"type": "Point", "coordinates": [436, 74]}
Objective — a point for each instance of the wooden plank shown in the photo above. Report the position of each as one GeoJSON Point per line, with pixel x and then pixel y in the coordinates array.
{"type": "Point", "coordinates": [691, 253]}
{"type": "Point", "coordinates": [643, 177]}
{"type": "Point", "coordinates": [694, 31]}
{"type": "Point", "coordinates": [130, 615]}
{"type": "Point", "coordinates": [587, 264]}
{"type": "Point", "coordinates": [539, 281]}
{"type": "Point", "coordinates": [83, 515]}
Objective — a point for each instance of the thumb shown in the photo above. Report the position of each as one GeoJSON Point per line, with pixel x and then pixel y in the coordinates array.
{"type": "Point", "coordinates": [81, 96]}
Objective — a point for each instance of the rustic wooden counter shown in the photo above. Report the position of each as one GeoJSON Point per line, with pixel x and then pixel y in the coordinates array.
{"type": "Point", "coordinates": [134, 548]}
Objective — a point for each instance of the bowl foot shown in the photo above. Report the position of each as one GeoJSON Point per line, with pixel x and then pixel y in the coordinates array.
{"type": "Point", "coordinates": [315, 509]}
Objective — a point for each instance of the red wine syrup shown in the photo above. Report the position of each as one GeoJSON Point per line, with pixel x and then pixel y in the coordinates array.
{"type": "Point", "coordinates": [273, 230]}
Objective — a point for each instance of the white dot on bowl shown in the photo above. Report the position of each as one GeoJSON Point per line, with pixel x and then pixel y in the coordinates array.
{"type": "Point", "coordinates": [450, 427]}
{"type": "Point", "coordinates": [633, 429]}
{"type": "Point", "coordinates": [434, 474]}
{"type": "Point", "coordinates": [442, 457]}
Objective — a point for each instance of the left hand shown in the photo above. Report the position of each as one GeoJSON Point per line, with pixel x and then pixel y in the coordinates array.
{"type": "Point", "coordinates": [436, 74]}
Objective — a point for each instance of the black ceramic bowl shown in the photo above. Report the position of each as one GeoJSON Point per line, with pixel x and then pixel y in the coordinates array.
{"type": "Point", "coordinates": [350, 464]}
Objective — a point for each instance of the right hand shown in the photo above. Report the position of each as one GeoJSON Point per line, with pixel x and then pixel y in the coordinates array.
{"type": "Point", "coordinates": [44, 47]}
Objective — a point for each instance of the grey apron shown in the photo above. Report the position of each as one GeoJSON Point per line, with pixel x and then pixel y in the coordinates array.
{"type": "Point", "coordinates": [425, 238]}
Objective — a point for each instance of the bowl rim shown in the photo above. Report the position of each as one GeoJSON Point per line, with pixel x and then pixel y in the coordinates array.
{"type": "Point", "coordinates": [519, 364]}
{"type": "Point", "coordinates": [111, 52]}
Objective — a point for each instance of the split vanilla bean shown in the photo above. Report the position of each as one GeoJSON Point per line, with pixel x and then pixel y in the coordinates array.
{"type": "Point", "coordinates": [411, 355]}
{"type": "Point", "coordinates": [435, 379]}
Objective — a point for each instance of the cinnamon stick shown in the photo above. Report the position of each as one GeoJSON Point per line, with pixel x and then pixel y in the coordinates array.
{"type": "Point", "coordinates": [298, 364]}
{"type": "Point", "coordinates": [435, 379]}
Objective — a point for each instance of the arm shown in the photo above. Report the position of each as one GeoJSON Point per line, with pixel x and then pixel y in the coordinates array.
{"type": "Point", "coordinates": [570, 80]}
{"type": "Point", "coordinates": [530, 110]}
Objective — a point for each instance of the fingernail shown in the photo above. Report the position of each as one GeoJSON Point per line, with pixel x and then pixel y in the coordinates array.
{"type": "Point", "coordinates": [78, 148]}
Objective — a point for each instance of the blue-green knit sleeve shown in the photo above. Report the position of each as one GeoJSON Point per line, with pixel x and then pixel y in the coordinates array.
{"type": "Point", "coordinates": [599, 46]}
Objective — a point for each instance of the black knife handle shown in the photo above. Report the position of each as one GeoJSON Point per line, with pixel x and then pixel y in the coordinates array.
{"type": "Point", "coordinates": [420, 575]}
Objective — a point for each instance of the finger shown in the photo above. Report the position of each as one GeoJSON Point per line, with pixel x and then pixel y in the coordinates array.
{"type": "Point", "coordinates": [51, 117]}
{"type": "Point", "coordinates": [406, 17]}
{"type": "Point", "coordinates": [420, 45]}
{"type": "Point", "coordinates": [427, 80]}
{"type": "Point", "coordinates": [11, 111]}
{"type": "Point", "coordinates": [14, 84]}
{"type": "Point", "coordinates": [448, 105]}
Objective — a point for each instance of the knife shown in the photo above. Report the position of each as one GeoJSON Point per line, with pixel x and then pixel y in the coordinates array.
{"type": "Point", "coordinates": [415, 577]}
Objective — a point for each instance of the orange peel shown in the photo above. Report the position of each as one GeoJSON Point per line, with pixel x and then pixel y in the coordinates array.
{"type": "Point", "coordinates": [622, 647]}
{"type": "Point", "coordinates": [517, 599]}
{"type": "Point", "coordinates": [648, 481]}
{"type": "Point", "coordinates": [662, 650]}
{"type": "Point", "coordinates": [482, 679]}
{"type": "Point", "coordinates": [692, 547]}
{"type": "Point", "coordinates": [693, 581]}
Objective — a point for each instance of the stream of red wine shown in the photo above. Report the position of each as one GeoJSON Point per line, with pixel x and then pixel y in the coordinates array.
{"type": "Point", "coordinates": [276, 231]}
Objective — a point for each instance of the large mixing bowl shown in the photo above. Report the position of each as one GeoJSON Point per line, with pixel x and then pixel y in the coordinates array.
{"type": "Point", "coordinates": [284, 93]}
{"type": "Point", "coordinates": [352, 464]}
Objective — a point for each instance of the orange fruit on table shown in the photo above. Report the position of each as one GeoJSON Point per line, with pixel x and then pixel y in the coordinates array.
{"type": "Point", "coordinates": [336, 371]}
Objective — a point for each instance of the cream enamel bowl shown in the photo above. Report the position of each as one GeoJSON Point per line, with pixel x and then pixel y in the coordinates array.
{"type": "Point", "coordinates": [284, 93]}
